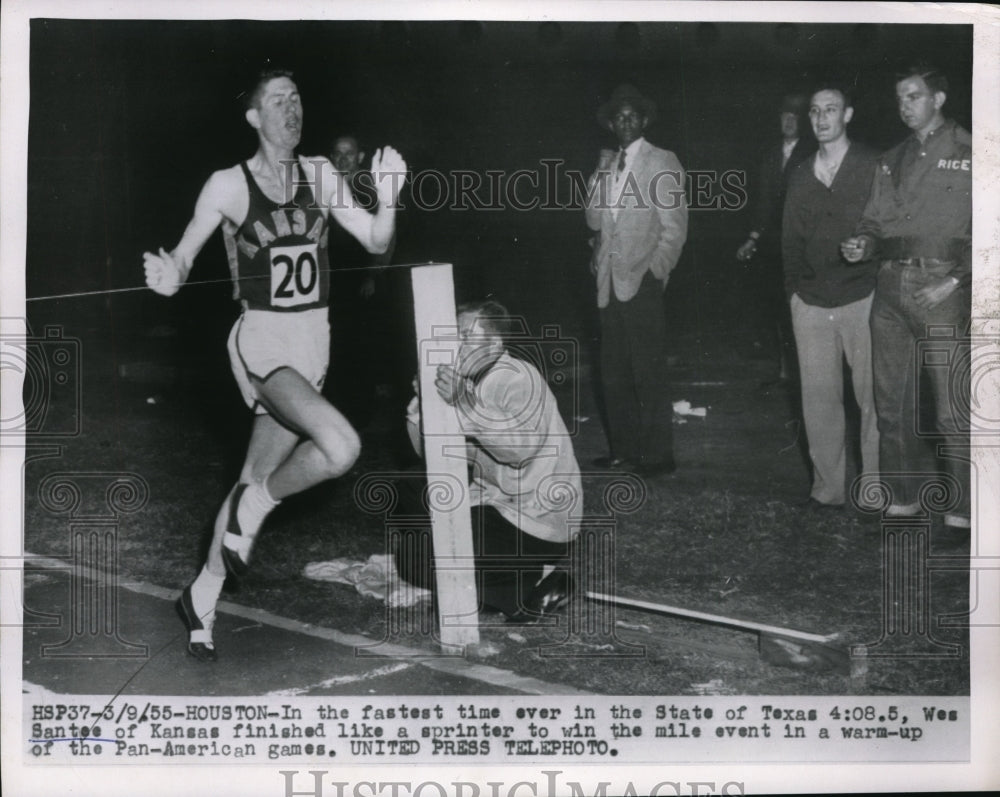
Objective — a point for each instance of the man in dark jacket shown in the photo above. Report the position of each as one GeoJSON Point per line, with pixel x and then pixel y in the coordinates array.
{"type": "Point", "coordinates": [767, 303]}
{"type": "Point", "coordinates": [830, 300]}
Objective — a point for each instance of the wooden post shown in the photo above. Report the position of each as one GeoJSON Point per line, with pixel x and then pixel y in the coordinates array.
{"type": "Point", "coordinates": [444, 455]}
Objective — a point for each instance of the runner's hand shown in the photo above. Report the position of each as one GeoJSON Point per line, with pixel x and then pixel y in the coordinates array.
{"type": "Point", "coordinates": [163, 274]}
{"type": "Point", "coordinates": [389, 174]}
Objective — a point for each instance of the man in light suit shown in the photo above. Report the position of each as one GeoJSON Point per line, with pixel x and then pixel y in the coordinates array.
{"type": "Point", "coordinates": [636, 201]}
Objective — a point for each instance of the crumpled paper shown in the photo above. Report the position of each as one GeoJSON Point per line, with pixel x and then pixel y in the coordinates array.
{"type": "Point", "coordinates": [683, 407]}
{"type": "Point", "coordinates": [376, 578]}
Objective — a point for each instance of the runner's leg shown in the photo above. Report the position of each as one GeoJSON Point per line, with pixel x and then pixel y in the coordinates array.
{"type": "Point", "coordinates": [331, 446]}
{"type": "Point", "coordinates": [270, 444]}
{"type": "Point", "coordinates": [328, 448]}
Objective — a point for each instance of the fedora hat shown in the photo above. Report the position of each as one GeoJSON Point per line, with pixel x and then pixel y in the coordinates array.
{"type": "Point", "coordinates": [626, 94]}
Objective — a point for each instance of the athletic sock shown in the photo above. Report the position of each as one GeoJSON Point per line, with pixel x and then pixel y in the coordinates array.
{"type": "Point", "coordinates": [222, 519]}
{"type": "Point", "coordinates": [204, 595]}
{"type": "Point", "coordinates": [255, 505]}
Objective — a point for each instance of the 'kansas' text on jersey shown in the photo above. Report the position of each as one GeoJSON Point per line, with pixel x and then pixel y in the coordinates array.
{"type": "Point", "coordinates": [278, 255]}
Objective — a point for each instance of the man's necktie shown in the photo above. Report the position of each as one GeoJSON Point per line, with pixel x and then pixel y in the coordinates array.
{"type": "Point", "coordinates": [621, 163]}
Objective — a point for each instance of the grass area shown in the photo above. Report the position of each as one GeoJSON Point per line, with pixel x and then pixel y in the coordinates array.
{"type": "Point", "coordinates": [724, 535]}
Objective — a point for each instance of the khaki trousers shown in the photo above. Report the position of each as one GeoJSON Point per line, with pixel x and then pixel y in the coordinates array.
{"type": "Point", "coordinates": [824, 337]}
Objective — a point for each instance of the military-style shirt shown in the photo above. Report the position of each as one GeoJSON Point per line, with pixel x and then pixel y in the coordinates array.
{"type": "Point", "coordinates": [921, 200]}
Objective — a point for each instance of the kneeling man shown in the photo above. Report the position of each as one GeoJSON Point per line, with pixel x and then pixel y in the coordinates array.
{"type": "Point", "coordinates": [525, 487]}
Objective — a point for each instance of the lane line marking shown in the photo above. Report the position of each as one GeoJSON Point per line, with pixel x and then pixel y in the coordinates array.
{"type": "Point", "coordinates": [339, 680]}
{"type": "Point", "coordinates": [448, 665]}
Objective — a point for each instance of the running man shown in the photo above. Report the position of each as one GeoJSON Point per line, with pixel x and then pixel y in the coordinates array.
{"type": "Point", "coordinates": [274, 211]}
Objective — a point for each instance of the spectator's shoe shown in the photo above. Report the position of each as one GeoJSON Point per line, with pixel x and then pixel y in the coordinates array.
{"type": "Point", "coordinates": [232, 539]}
{"type": "Point", "coordinates": [812, 505]}
{"type": "Point", "coordinates": [201, 650]}
{"type": "Point", "coordinates": [615, 463]}
{"type": "Point", "coordinates": [548, 596]}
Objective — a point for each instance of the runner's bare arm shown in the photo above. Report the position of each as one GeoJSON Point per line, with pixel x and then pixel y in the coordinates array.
{"type": "Point", "coordinates": [373, 232]}
{"type": "Point", "coordinates": [167, 271]}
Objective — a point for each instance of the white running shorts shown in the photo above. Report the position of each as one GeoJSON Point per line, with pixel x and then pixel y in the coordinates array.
{"type": "Point", "coordinates": [263, 342]}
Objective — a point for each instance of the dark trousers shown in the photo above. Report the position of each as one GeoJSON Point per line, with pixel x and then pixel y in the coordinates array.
{"type": "Point", "coordinates": [634, 377]}
{"type": "Point", "coordinates": [920, 355]}
{"type": "Point", "coordinates": [508, 561]}
{"type": "Point", "coordinates": [763, 304]}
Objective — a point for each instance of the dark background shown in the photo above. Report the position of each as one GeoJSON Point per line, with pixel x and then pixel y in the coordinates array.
{"type": "Point", "coordinates": [128, 119]}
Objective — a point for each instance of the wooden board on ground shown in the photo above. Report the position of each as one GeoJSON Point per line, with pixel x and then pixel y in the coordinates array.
{"type": "Point", "coordinates": [444, 455]}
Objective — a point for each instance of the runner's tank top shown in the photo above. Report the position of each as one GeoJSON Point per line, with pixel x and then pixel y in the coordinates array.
{"type": "Point", "coordinates": [278, 255]}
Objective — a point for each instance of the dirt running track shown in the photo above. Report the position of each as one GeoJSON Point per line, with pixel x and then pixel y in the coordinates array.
{"type": "Point", "coordinates": [255, 647]}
